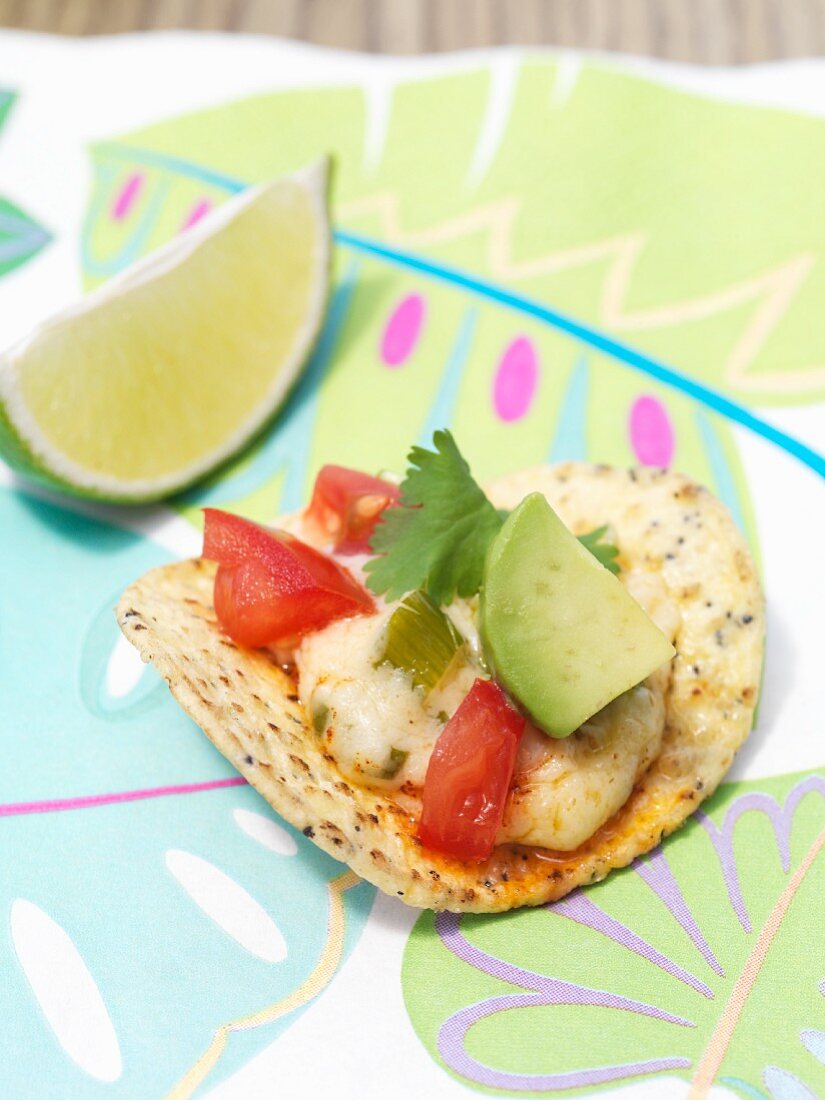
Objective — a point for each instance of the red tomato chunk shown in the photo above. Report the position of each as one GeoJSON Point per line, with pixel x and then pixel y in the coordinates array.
{"type": "Point", "coordinates": [347, 504]}
{"type": "Point", "coordinates": [469, 775]}
{"type": "Point", "coordinates": [271, 587]}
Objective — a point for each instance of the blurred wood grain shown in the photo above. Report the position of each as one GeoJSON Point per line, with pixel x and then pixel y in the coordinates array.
{"type": "Point", "coordinates": [716, 32]}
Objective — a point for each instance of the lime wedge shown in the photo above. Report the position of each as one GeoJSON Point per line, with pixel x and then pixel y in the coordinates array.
{"type": "Point", "coordinates": [164, 372]}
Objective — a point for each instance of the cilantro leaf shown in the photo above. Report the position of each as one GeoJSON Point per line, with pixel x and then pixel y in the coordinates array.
{"type": "Point", "coordinates": [438, 538]}
{"type": "Point", "coordinates": [604, 552]}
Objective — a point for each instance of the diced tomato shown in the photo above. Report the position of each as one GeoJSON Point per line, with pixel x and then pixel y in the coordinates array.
{"type": "Point", "coordinates": [271, 587]}
{"type": "Point", "coordinates": [346, 505]}
{"type": "Point", "coordinates": [469, 775]}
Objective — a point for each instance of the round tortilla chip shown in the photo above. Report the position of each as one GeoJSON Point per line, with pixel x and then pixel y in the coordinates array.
{"type": "Point", "coordinates": [249, 707]}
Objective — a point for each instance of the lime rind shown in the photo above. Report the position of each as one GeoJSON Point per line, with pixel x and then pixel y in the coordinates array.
{"type": "Point", "coordinates": [30, 453]}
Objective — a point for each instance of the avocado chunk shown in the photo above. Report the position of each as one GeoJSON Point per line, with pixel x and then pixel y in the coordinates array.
{"type": "Point", "coordinates": [561, 633]}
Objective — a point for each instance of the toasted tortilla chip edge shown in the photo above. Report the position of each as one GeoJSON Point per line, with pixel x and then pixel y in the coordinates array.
{"type": "Point", "coordinates": [249, 707]}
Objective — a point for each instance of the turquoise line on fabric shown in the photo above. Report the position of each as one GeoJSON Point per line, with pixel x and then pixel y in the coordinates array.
{"type": "Point", "coordinates": [446, 399]}
{"type": "Point", "coordinates": [22, 246]}
{"type": "Point", "coordinates": [653, 368]}
{"type": "Point", "coordinates": [570, 438]}
{"type": "Point", "coordinates": [744, 1088]}
{"type": "Point", "coordinates": [288, 445]}
{"type": "Point", "coordinates": [169, 163]}
{"type": "Point", "coordinates": [722, 475]}
{"type": "Point", "coordinates": [19, 236]}
{"type": "Point", "coordinates": [521, 303]}
{"type": "Point", "coordinates": [135, 245]}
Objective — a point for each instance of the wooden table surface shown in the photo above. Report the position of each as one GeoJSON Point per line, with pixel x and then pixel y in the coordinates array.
{"type": "Point", "coordinates": [715, 32]}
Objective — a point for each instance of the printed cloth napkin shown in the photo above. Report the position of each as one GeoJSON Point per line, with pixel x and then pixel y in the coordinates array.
{"type": "Point", "coordinates": [558, 257]}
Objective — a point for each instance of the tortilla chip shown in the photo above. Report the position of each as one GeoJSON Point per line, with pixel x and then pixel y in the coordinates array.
{"type": "Point", "coordinates": [249, 707]}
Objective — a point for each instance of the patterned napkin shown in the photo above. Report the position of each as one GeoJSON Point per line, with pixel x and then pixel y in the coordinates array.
{"type": "Point", "coordinates": [560, 258]}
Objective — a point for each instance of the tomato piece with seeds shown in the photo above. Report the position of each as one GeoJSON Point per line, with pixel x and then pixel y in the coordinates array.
{"type": "Point", "coordinates": [469, 774]}
{"type": "Point", "coordinates": [270, 587]}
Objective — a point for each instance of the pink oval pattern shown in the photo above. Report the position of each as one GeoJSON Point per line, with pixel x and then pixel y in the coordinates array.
{"type": "Point", "coordinates": [403, 330]}
{"type": "Point", "coordinates": [651, 432]}
{"type": "Point", "coordinates": [127, 196]}
{"type": "Point", "coordinates": [516, 380]}
{"type": "Point", "coordinates": [198, 211]}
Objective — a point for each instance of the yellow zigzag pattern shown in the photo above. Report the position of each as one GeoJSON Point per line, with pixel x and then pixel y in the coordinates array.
{"type": "Point", "coordinates": [772, 292]}
{"type": "Point", "coordinates": [318, 980]}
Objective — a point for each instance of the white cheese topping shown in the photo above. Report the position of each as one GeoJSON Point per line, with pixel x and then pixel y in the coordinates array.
{"type": "Point", "coordinates": [364, 709]}
{"type": "Point", "coordinates": [381, 730]}
{"type": "Point", "coordinates": [564, 789]}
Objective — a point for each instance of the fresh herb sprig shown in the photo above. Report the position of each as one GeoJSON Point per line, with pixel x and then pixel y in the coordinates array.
{"type": "Point", "coordinates": [602, 551]}
{"type": "Point", "coordinates": [437, 539]}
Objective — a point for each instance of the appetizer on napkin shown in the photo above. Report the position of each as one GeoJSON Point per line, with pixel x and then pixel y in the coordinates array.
{"type": "Point", "coordinates": [476, 700]}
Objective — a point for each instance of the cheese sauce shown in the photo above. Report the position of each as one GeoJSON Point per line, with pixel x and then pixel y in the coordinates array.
{"type": "Point", "coordinates": [381, 730]}
{"type": "Point", "coordinates": [379, 727]}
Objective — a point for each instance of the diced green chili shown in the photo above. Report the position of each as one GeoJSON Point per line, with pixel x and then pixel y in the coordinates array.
{"type": "Point", "coordinates": [394, 764]}
{"type": "Point", "coordinates": [421, 640]}
{"type": "Point", "coordinates": [320, 718]}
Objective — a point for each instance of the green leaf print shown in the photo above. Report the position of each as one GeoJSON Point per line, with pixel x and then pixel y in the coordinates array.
{"type": "Point", "coordinates": [681, 965]}
{"type": "Point", "coordinates": [518, 391]}
{"type": "Point", "coordinates": [651, 213]}
{"type": "Point", "coordinates": [20, 237]}
{"type": "Point", "coordinates": [6, 100]}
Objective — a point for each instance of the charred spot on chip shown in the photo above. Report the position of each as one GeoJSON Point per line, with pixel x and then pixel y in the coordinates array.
{"type": "Point", "coordinates": [172, 601]}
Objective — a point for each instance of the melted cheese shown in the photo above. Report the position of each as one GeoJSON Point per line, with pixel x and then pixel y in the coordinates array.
{"type": "Point", "coordinates": [371, 709]}
{"type": "Point", "coordinates": [562, 791]}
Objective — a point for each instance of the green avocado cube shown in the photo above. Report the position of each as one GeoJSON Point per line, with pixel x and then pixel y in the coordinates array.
{"type": "Point", "coordinates": [562, 635]}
